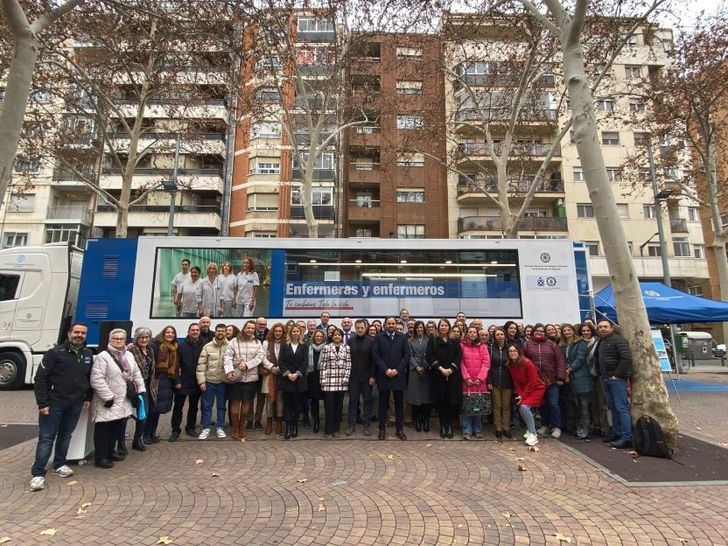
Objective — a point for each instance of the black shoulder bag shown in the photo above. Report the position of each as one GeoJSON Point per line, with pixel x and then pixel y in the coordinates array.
{"type": "Point", "coordinates": [131, 388]}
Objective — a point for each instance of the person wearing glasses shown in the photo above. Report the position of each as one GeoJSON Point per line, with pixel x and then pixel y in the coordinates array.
{"type": "Point", "coordinates": [144, 358]}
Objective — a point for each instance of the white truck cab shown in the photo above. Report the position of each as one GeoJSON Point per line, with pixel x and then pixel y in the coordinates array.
{"type": "Point", "coordinates": [38, 292]}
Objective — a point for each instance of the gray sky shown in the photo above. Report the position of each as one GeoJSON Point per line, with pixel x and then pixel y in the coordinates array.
{"type": "Point", "coordinates": [692, 8]}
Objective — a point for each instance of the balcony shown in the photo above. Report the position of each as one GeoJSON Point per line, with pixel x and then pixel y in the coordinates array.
{"type": "Point", "coordinates": [63, 176]}
{"type": "Point", "coordinates": [316, 70]}
{"type": "Point", "coordinates": [534, 149]}
{"type": "Point", "coordinates": [550, 185]}
{"type": "Point", "coordinates": [201, 143]}
{"type": "Point", "coordinates": [84, 141]}
{"type": "Point", "coordinates": [494, 223]}
{"type": "Point", "coordinates": [70, 214]}
{"type": "Point", "coordinates": [321, 212]}
{"type": "Point", "coordinates": [500, 80]}
{"type": "Point", "coordinates": [316, 103]}
{"type": "Point", "coordinates": [193, 179]}
{"type": "Point", "coordinates": [318, 174]}
{"type": "Point", "coordinates": [188, 216]}
{"type": "Point", "coordinates": [304, 139]}
{"type": "Point", "coordinates": [527, 114]}
{"type": "Point", "coordinates": [364, 173]}
{"type": "Point", "coordinates": [366, 135]}
{"type": "Point", "coordinates": [316, 36]}
{"type": "Point", "coordinates": [678, 225]}
{"type": "Point", "coordinates": [363, 210]}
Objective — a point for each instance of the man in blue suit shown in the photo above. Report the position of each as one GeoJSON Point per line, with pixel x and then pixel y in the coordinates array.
{"type": "Point", "coordinates": [391, 352]}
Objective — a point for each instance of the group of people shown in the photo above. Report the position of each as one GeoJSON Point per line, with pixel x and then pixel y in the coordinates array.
{"type": "Point", "coordinates": [468, 374]}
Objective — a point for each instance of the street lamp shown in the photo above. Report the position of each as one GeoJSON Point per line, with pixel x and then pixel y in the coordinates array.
{"type": "Point", "coordinates": [171, 187]}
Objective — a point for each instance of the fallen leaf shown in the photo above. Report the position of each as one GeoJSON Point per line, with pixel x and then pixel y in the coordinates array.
{"type": "Point", "coordinates": [83, 509]}
{"type": "Point", "coordinates": [303, 480]}
{"type": "Point", "coordinates": [520, 458]}
{"type": "Point", "coordinates": [390, 457]}
{"type": "Point", "coordinates": [633, 453]}
{"type": "Point", "coordinates": [698, 428]}
{"type": "Point", "coordinates": [199, 461]}
{"type": "Point", "coordinates": [430, 445]}
{"type": "Point", "coordinates": [215, 474]}
{"type": "Point", "coordinates": [511, 449]}
{"type": "Point", "coordinates": [4, 540]}
{"type": "Point", "coordinates": [322, 506]}
{"type": "Point", "coordinates": [164, 540]}
{"type": "Point", "coordinates": [4, 426]}
{"type": "Point", "coordinates": [521, 468]}
{"type": "Point", "coordinates": [49, 532]}
{"type": "Point", "coordinates": [535, 449]}
{"type": "Point", "coordinates": [506, 514]}
{"type": "Point", "coordinates": [74, 482]}
{"type": "Point", "coordinates": [723, 444]}
{"type": "Point", "coordinates": [562, 538]}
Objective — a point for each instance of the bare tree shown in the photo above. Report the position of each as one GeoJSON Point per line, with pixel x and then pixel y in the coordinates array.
{"type": "Point", "coordinates": [567, 23]}
{"type": "Point", "coordinates": [25, 46]}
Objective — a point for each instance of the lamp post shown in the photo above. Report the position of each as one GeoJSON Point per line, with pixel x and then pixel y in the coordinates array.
{"type": "Point", "coordinates": [172, 187]}
{"type": "Point", "coordinates": [659, 196]}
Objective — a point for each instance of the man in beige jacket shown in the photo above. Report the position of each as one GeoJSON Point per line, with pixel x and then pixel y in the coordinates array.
{"type": "Point", "coordinates": [211, 378]}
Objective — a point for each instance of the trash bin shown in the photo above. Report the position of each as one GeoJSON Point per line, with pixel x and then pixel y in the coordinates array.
{"type": "Point", "coordinates": [696, 345]}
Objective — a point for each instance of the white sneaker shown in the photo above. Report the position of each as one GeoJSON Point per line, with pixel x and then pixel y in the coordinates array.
{"type": "Point", "coordinates": [221, 434]}
{"type": "Point", "coordinates": [204, 434]}
{"type": "Point", "coordinates": [556, 433]}
{"type": "Point", "coordinates": [64, 471]}
{"type": "Point", "coordinates": [542, 431]}
{"type": "Point", "coordinates": [532, 439]}
{"type": "Point", "coordinates": [37, 483]}
{"type": "Point", "coordinates": [525, 434]}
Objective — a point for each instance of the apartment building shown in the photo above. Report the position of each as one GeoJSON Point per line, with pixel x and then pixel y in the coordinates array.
{"type": "Point", "coordinates": [561, 207]}
{"type": "Point", "coordinates": [266, 199]}
{"type": "Point", "coordinates": [395, 185]}
{"type": "Point", "coordinates": [57, 204]}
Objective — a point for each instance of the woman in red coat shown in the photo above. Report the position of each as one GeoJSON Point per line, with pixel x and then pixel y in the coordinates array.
{"type": "Point", "coordinates": [529, 389]}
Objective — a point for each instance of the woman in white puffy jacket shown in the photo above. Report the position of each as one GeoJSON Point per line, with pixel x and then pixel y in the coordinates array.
{"type": "Point", "coordinates": [111, 370]}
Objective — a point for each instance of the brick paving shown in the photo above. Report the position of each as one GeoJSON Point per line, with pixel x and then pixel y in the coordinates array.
{"type": "Point", "coordinates": [355, 491]}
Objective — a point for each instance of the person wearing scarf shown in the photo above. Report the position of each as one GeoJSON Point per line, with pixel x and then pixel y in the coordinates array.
{"type": "Point", "coordinates": [144, 358]}
{"type": "Point", "coordinates": [313, 376]}
{"type": "Point", "coordinates": [161, 383]}
{"type": "Point", "coordinates": [111, 371]}
{"type": "Point", "coordinates": [270, 375]}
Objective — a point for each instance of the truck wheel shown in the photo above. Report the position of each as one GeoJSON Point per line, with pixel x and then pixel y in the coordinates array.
{"type": "Point", "coordinates": [12, 371]}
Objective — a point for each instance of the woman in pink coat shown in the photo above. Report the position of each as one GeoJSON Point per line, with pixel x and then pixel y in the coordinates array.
{"type": "Point", "coordinates": [475, 365]}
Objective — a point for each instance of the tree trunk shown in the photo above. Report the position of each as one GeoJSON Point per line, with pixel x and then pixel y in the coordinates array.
{"type": "Point", "coordinates": [649, 395]}
{"type": "Point", "coordinates": [307, 196]}
{"type": "Point", "coordinates": [720, 234]}
{"type": "Point", "coordinates": [17, 91]}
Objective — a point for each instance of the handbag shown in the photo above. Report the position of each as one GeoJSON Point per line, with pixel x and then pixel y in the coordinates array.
{"type": "Point", "coordinates": [545, 380]}
{"type": "Point", "coordinates": [477, 403]}
{"type": "Point", "coordinates": [131, 388]}
{"type": "Point", "coordinates": [141, 408]}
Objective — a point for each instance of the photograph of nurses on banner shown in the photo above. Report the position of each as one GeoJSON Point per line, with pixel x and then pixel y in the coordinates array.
{"type": "Point", "coordinates": [282, 282]}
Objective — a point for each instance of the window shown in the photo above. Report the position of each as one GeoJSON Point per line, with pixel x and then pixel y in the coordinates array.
{"type": "Point", "coordinates": [313, 24]}
{"type": "Point", "coordinates": [641, 139]}
{"type": "Point", "coordinates": [695, 291]}
{"type": "Point", "coordinates": [410, 196]}
{"type": "Point", "coordinates": [265, 129]}
{"type": "Point", "coordinates": [724, 219]}
{"type": "Point", "coordinates": [269, 63]}
{"type": "Point", "coordinates": [636, 106]}
{"type": "Point", "coordinates": [66, 233]}
{"type": "Point", "coordinates": [578, 174]}
{"type": "Point", "coordinates": [584, 210]}
{"type": "Point", "coordinates": [258, 202]}
{"type": "Point", "coordinates": [26, 166]}
{"type": "Point", "coordinates": [321, 197]}
{"type": "Point", "coordinates": [592, 247]}
{"type": "Point", "coordinates": [605, 105]}
{"type": "Point", "coordinates": [2, 94]}
{"type": "Point", "coordinates": [324, 161]}
{"type": "Point", "coordinates": [648, 211]}
{"type": "Point", "coordinates": [409, 87]}
{"type": "Point", "coordinates": [693, 214]}
{"type": "Point", "coordinates": [363, 232]}
{"type": "Point", "coordinates": [632, 72]}
{"type": "Point", "coordinates": [14, 238]}
{"type": "Point", "coordinates": [411, 53]}
{"type": "Point", "coordinates": [681, 246]}
{"type": "Point", "coordinates": [22, 203]}
{"type": "Point", "coordinates": [410, 160]}
{"type": "Point", "coordinates": [632, 40]}
{"type": "Point", "coordinates": [268, 94]}
{"type": "Point", "coordinates": [610, 138]}
{"type": "Point", "coordinates": [653, 250]}
{"type": "Point", "coordinates": [614, 174]}
{"type": "Point", "coordinates": [42, 95]}
{"type": "Point", "coordinates": [699, 251]}
{"type": "Point", "coordinates": [623, 210]}
{"type": "Point", "coordinates": [8, 286]}
{"type": "Point", "coordinates": [411, 231]}
{"type": "Point", "coordinates": [264, 165]}
{"type": "Point", "coordinates": [410, 122]}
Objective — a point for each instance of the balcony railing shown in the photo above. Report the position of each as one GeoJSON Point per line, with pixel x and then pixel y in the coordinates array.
{"type": "Point", "coordinates": [494, 223]}
{"type": "Point", "coordinates": [63, 174]}
{"type": "Point", "coordinates": [323, 212]}
{"type": "Point", "coordinates": [364, 203]}
{"type": "Point", "coordinates": [526, 114]}
{"type": "Point", "coordinates": [305, 138]}
{"type": "Point", "coordinates": [366, 129]}
{"type": "Point", "coordinates": [316, 69]}
{"type": "Point", "coordinates": [70, 213]}
{"type": "Point", "coordinates": [501, 80]}
{"type": "Point", "coordinates": [518, 149]}
{"type": "Point", "coordinates": [199, 209]}
{"type": "Point", "coordinates": [318, 174]}
{"type": "Point", "coordinates": [515, 186]}
{"type": "Point", "coordinates": [316, 103]}
{"type": "Point", "coordinates": [364, 166]}
{"type": "Point", "coordinates": [678, 225]}
{"type": "Point", "coordinates": [169, 136]}
{"type": "Point", "coordinates": [316, 36]}
{"type": "Point", "coordinates": [153, 171]}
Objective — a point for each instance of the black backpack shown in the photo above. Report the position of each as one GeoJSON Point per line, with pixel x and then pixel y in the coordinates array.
{"type": "Point", "coordinates": [648, 438]}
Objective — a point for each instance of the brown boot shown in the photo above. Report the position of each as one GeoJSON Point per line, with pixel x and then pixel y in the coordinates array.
{"type": "Point", "coordinates": [244, 417]}
{"type": "Point", "coordinates": [235, 419]}
{"type": "Point", "coordinates": [269, 425]}
{"type": "Point", "coordinates": [279, 426]}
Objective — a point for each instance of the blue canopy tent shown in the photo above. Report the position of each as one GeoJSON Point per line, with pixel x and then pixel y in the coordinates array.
{"type": "Point", "coordinates": [665, 305]}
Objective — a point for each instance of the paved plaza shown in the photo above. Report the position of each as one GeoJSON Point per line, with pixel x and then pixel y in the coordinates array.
{"type": "Point", "coordinates": [360, 491]}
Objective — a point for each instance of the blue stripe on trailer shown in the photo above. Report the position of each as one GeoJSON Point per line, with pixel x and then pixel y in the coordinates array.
{"type": "Point", "coordinates": [107, 282]}
{"type": "Point", "coordinates": [277, 282]}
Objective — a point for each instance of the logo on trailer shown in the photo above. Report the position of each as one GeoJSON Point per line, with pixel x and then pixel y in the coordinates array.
{"type": "Point", "coordinates": [540, 282]}
{"type": "Point", "coordinates": [652, 293]}
{"type": "Point", "coordinates": [551, 281]}
{"type": "Point", "coordinates": [545, 257]}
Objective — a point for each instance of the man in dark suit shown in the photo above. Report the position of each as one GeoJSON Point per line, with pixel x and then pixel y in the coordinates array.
{"type": "Point", "coordinates": [362, 376]}
{"type": "Point", "coordinates": [391, 352]}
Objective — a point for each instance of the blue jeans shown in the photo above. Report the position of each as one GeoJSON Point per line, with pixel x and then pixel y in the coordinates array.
{"type": "Point", "coordinates": [615, 392]}
{"type": "Point", "coordinates": [550, 409]}
{"type": "Point", "coordinates": [363, 388]}
{"type": "Point", "coordinates": [214, 391]}
{"type": "Point", "coordinates": [56, 427]}
{"type": "Point", "coordinates": [472, 424]}
{"type": "Point", "coordinates": [527, 416]}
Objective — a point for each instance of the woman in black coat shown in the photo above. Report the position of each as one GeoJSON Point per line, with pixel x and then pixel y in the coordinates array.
{"type": "Point", "coordinates": [443, 357]}
{"type": "Point", "coordinates": [293, 362]}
